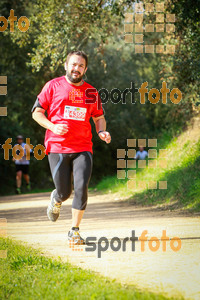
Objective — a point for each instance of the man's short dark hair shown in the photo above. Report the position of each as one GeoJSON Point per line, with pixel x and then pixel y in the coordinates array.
{"type": "Point", "coordinates": [80, 53]}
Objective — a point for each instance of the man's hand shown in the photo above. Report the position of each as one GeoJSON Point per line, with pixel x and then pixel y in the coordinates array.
{"type": "Point", "coordinates": [105, 136]}
{"type": "Point", "coordinates": [59, 129]}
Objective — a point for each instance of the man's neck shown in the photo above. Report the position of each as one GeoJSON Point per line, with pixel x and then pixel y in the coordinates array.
{"type": "Point", "coordinates": [77, 83]}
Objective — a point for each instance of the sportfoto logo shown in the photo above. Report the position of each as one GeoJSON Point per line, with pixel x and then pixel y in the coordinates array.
{"type": "Point", "coordinates": [126, 164]}
{"type": "Point", "coordinates": [102, 244]}
{"type": "Point", "coordinates": [23, 22]}
{"type": "Point", "coordinates": [116, 95]}
{"type": "Point", "coordinates": [3, 92]}
{"type": "Point", "coordinates": [18, 151]}
{"type": "Point", "coordinates": [163, 23]}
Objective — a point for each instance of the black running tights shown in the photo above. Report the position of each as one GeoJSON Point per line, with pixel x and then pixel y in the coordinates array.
{"type": "Point", "coordinates": [68, 167]}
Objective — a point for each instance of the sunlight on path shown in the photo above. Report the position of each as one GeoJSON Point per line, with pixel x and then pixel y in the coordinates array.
{"type": "Point", "coordinates": [172, 273]}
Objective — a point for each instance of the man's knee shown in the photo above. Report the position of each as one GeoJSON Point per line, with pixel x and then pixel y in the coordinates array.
{"type": "Point", "coordinates": [19, 174]}
{"type": "Point", "coordinates": [81, 188]}
{"type": "Point", "coordinates": [62, 196]}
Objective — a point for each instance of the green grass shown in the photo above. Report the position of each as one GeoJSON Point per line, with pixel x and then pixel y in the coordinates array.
{"type": "Point", "coordinates": [26, 274]}
{"type": "Point", "coordinates": [182, 176]}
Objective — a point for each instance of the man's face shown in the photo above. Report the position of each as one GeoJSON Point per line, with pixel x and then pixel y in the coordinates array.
{"type": "Point", "coordinates": [141, 149]}
{"type": "Point", "coordinates": [76, 68]}
{"type": "Point", "coordinates": [19, 141]}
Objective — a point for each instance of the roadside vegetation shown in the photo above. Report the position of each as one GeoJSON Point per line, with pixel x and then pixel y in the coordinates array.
{"type": "Point", "coordinates": [182, 174]}
{"type": "Point", "coordinates": [27, 274]}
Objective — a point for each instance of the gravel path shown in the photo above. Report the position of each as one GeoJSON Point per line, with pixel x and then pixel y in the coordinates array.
{"type": "Point", "coordinates": [174, 273]}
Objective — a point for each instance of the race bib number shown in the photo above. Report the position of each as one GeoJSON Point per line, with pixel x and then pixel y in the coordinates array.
{"type": "Point", "coordinates": [75, 113]}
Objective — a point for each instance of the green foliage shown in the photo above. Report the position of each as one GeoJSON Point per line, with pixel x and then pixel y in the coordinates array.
{"type": "Point", "coordinates": [181, 174]}
{"type": "Point", "coordinates": [32, 58]}
{"type": "Point", "coordinates": [59, 27]}
{"type": "Point", "coordinates": [26, 274]}
{"type": "Point", "coordinates": [185, 67]}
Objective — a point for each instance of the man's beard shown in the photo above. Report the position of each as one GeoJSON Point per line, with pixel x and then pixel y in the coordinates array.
{"type": "Point", "coordinates": [74, 80]}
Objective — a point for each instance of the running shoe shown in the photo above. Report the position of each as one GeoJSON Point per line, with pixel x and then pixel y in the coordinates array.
{"type": "Point", "coordinates": [18, 190]}
{"type": "Point", "coordinates": [74, 237]}
{"type": "Point", "coordinates": [53, 209]}
{"type": "Point", "coordinates": [28, 186]}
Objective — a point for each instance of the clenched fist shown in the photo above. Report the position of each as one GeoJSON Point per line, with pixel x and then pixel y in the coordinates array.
{"type": "Point", "coordinates": [105, 136]}
{"type": "Point", "coordinates": [59, 129]}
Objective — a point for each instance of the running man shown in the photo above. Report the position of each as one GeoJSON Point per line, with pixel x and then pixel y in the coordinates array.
{"type": "Point", "coordinates": [68, 137]}
{"type": "Point", "coordinates": [22, 167]}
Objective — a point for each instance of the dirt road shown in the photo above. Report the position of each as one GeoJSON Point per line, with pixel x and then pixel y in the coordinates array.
{"type": "Point", "coordinates": [174, 273]}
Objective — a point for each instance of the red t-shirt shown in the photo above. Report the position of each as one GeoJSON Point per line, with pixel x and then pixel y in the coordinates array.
{"type": "Point", "coordinates": [65, 104]}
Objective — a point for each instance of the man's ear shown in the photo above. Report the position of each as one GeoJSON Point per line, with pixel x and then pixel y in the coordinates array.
{"type": "Point", "coordinates": [85, 70]}
{"type": "Point", "coordinates": [65, 66]}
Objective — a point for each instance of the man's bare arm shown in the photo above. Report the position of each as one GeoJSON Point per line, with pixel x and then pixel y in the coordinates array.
{"type": "Point", "coordinates": [100, 124]}
{"type": "Point", "coordinates": [39, 116]}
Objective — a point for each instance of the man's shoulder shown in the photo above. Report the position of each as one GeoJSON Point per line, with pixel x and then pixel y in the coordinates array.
{"type": "Point", "coordinates": [55, 81]}
{"type": "Point", "coordinates": [87, 85]}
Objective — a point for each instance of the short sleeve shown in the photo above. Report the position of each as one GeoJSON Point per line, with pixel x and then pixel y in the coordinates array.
{"type": "Point", "coordinates": [97, 109]}
{"type": "Point", "coordinates": [46, 95]}
{"type": "Point", "coordinates": [36, 104]}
